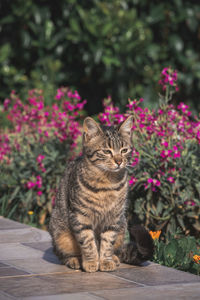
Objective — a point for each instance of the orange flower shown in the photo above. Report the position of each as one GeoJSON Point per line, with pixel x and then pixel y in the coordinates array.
{"type": "Point", "coordinates": [196, 258]}
{"type": "Point", "coordinates": [155, 234]}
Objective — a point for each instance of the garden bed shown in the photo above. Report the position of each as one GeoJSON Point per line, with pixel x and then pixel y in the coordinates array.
{"type": "Point", "coordinates": [164, 171]}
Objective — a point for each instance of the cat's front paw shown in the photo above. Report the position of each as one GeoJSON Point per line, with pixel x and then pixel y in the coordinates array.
{"type": "Point", "coordinates": [90, 266]}
{"type": "Point", "coordinates": [73, 263]}
{"type": "Point", "coordinates": [116, 260]}
{"type": "Point", "coordinates": [107, 265]}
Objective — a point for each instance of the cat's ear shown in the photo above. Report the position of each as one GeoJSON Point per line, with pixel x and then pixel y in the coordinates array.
{"type": "Point", "coordinates": [91, 128]}
{"type": "Point", "coordinates": [125, 127]}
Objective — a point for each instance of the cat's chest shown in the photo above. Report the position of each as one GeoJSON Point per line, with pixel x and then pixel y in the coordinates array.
{"type": "Point", "coordinates": [100, 196]}
{"type": "Point", "coordinates": [107, 203]}
{"type": "Point", "coordinates": [112, 197]}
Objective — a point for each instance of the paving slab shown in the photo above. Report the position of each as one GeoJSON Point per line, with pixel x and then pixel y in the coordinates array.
{"type": "Point", "coordinates": [166, 292]}
{"type": "Point", "coordinates": [10, 271]}
{"type": "Point", "coordinates": [52, 284]}
{"type": "Point", "coordinates": [10, 224]}
{"type": "Point", "coordinates": [23, 235]}
{"type": "Point", "coordinates": [3, 265]}
{"type": "Point", "coordinates": [29, 270]}
{"type": "Point", "coordinates": [38, 265]}
{"type": "Point", "coordinates": [76, 296]}
{"type": "Point", "coordinates": [17, 251]}
{"type": "Point", "coordinates": [156, 275]}
{"type": "Point", "coordinates": [4, 296]}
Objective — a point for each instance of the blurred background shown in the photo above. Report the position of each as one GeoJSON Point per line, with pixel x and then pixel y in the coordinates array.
{"type": "Point", "coordinates": [100, 48]}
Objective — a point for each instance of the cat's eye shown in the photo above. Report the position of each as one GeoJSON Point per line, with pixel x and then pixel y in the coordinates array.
{"type": "Point", "coordinates": [125, 150]}
{"type": "Point", "coordinates": [107, 152]}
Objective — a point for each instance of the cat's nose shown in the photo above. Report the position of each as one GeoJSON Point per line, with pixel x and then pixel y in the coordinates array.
{"type": "Point", "coordinates": [118, 160]}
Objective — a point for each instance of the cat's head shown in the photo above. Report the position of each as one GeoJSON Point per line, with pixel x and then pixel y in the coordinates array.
{"type": "Point", "coordinates": [108, 148]}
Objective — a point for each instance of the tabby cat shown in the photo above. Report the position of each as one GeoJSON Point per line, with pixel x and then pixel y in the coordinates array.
{"type": "Point", "coordinates": [88, 221]}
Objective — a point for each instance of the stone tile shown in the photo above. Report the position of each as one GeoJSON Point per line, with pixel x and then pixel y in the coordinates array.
{"type": "Point", "coordinates": [23, 235]}
{"type": "Point", "coordinates": [4, 296]}
{"type": "Point", "coordinates": [166, 292]}
{"type": "Point", "coordinates": [145, 264]}
{"type": "Point", "coordinates": [17, 251]}
{"type": "Point", "coordinates": [10, 271]}
{"type": "Point", "coordinates": [77, 296]}
{"type": "Point", "coordinates": [39, 265]}
{"type": "Point", "coordinates": [56, 284]}
{"type": "Point", "coordinates": [156, 275]}
{"type": "Point", "coordinates": [21, 286]}
{"type": "Point", "coordinates": [43, 246]}
{"type": "Point", "coordinates": [2, 265]}
{"type": "Point", "coordinates": [10, 224]}
{"type": "Point", "coordinates": [46, 248]}
{"type": "Point", "coordinates": [45, 264]}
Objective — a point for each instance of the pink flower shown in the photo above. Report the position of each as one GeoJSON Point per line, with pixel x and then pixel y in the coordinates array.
{"type": "Point", "coordinates": [189, 203]}
{"type": "Point", "coordinates": [30, 185]}
{"type": "Point", "coordinates": [168, 76]}
{"type": "Point", "coordinates": [39, 193]}
{"type": "Point", "coordinates": [39, 181]}
{"type": "Point", "coordinates": [46, 133]}
{"type": "Point", "coordinates": [43, 169]}
{"type": "Point", "coordinates": [70, 94]}
{"type": "Point", "coordinates": [59, 94]}
{"type": "Point", "coordinates": [154, 181]}
{"type": "Point", "coordinates": [160, 112]}
{"type": "Point", "coordinates": [55, 107]}
{"type": "Point", "coordinates": [164, 143]}
{"type": "Point", "coordinates": [6, 103]}
{"type": "Point", "coordinates": [33, 101]}
{"type": "Point", "coordinates": [166, 153]}
{"type": "Point", "coordinates": [132, 181]}
{"type": "Point", "coordinates": [77, 96]}
{"type": "Point", "coordinates": [182, 107]}
{"type": "Point", "coordinates": [40, 105]}
{"type": "Point", "coordinates": [40, 158]}
{"type": "Point", "coordinates": [171, 179]}
{"type": "Point", "coordinates": [150, 180]}
{"type": "Point", "coordinates": [177, 154]}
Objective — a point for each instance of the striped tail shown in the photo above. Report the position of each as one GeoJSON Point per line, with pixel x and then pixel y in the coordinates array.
{"type": "Point", "coordinates": [140, 248]}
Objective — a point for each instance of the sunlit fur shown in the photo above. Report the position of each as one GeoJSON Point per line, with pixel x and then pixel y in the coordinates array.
{"type": "Point", "coordinates": [88, 221]}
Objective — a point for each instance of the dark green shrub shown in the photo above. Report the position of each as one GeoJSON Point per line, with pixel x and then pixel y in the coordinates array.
{"type": "Point", "coordinates": [179, 252]}
{"type": "Point", "coordinates": [113, 47]}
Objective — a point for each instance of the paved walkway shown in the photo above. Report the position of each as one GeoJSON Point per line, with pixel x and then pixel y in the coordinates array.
{"type": "Point", "coordinates": [29, 270]}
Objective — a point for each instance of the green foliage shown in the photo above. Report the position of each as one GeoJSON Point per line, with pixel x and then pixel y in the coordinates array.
{"type": "Point", "coordinates": [100, 47]}
{"type": "Point", "coordinates": [178, 252]}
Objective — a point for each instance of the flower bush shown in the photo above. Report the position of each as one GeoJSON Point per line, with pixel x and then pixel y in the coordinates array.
{"type": "Point", "coordinates": [165, 170]}
{"type": "Point", "coordinates": [34, 152]}
{"type": "Point", "coordinates": [180, 252]}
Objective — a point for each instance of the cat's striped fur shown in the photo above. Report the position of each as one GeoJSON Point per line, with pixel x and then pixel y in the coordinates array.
{"type": "Point", "coordinates": [88, 221]}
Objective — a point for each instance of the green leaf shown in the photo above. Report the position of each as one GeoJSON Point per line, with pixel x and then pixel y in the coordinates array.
{"type": "Point", "coordinates": [14, 194]}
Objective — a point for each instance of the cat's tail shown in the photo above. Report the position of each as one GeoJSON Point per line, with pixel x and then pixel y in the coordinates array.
{"type": "Point", "coordinates": [140, 248]}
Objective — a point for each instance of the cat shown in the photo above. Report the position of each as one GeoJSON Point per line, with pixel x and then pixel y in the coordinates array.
{"type": "Point", "coordinates": [88, 222]}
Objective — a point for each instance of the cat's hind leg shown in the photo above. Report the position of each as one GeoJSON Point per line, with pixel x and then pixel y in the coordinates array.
{"type": "Point", "coordinates": [67, 249]}
{"type": "Point", "coordinates": [118, 245]}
